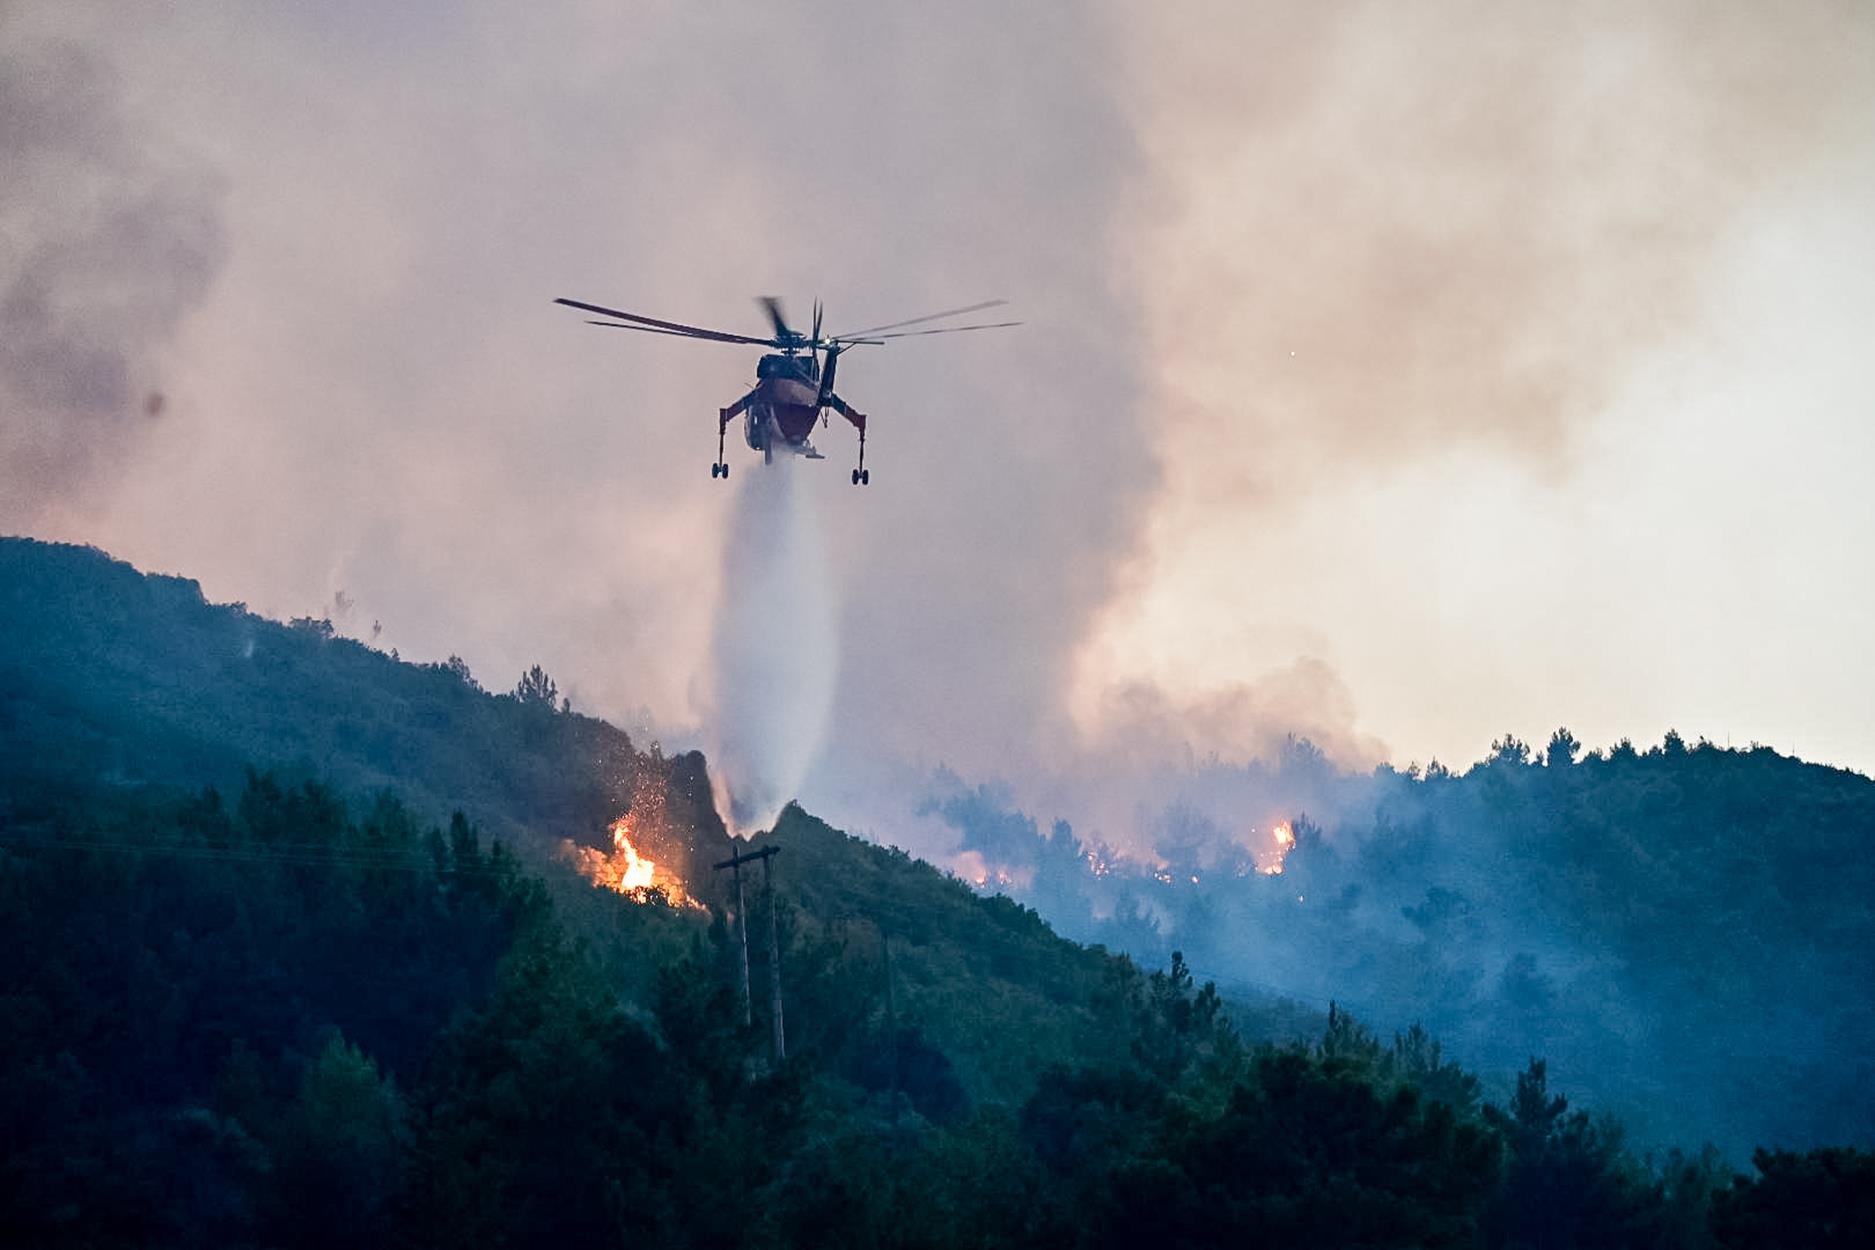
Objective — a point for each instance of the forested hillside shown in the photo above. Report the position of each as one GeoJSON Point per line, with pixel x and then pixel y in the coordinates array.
{"type": "Point", "coordinates": [107, 672]}
{"type": "Point", "coordinates": [296, 957]}
{"type": "Point", "coordinates": [1687, 931]}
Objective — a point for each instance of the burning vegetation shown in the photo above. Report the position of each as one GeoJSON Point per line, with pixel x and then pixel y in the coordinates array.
{"type": "Point", "coordinates": [1270, 858]}
{"type": "Point", "coordinates": [1261, 850]}
{"type": "Point", "coordinates": [625, 867]}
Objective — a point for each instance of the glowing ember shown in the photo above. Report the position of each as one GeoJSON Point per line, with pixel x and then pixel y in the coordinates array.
{"type": "Point", "coordinates": [1282, 841]}
{"type": "Point", "coordinates": [625, 868]}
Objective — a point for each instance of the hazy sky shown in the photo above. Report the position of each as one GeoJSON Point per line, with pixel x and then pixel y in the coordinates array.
{"type": "Point", "coordinates": [1401, 375]}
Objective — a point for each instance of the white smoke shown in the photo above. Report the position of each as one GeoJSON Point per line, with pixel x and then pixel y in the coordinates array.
{"type": "Point", "coordinates": [773, 652]}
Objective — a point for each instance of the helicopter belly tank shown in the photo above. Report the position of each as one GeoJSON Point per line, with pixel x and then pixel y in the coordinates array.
{"type": "Point", "coordinates": [796, 421]}
{"type": "Point", "coordinates": [792, 405]}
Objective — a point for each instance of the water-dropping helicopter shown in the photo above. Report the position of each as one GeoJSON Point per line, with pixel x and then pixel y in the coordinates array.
{"type": "Point", "coordinates": [793, 387]}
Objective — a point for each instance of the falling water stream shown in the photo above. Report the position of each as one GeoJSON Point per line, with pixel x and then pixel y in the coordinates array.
{"type": "Point", "coordinates": [774, 653]}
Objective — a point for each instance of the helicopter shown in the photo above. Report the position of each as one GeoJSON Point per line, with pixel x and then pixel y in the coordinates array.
{"type": "Point", "coordinates": [794, 386]}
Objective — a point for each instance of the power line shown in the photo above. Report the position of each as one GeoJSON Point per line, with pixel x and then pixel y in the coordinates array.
{"type": "Point", "coordinates": [300, 853]}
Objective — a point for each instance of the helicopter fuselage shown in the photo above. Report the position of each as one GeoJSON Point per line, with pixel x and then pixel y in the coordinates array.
{"type": "Point", "coordinates": [784, 404]}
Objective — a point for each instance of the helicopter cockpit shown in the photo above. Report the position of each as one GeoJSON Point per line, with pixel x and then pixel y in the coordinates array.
{"type": "Point", "coordinates": [800, 368]}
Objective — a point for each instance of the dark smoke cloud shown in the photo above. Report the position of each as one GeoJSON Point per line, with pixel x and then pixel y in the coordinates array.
{"type": "Point", "coordinates": [110, 240]}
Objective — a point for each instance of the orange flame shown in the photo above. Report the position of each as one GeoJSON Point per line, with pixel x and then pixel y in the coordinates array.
{"type": "Point", "coordinates": [1283, 840]}
{"type": "Point", "coordinates": [625, 868]}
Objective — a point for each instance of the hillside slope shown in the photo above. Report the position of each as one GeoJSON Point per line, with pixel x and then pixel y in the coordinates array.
{"type": "Point", "coordinates": [109, 675]}
{"type": "Point", "coordinates": [105, 671]}
{"type": "Point", "coordinates": [1686, 932]}
{"type": "Point", "coordinates": [267, 985]}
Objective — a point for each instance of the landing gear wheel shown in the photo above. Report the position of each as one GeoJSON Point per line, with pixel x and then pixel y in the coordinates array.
{"type": "Point", "coordinates": [865, 477]}
{"type": "Point", "coordinates": [725, 470]}
{"type": "Point", "coordinates": [856, 477]}
{"type": "Point", "coordinates": [719, 469]}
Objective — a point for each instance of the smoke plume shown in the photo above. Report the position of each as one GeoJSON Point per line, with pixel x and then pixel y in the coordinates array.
{"type": "Point", "coordinates": [110, 239]}
{"type": "Point", "coordinates": [1320, 303]}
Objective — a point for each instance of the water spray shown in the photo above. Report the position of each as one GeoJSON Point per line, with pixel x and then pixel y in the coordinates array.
{"type": "Point", "coordinates": [774, 655]}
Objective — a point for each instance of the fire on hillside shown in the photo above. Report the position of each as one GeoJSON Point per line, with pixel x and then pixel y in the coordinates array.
{"type": "Point", "coordinates": [1282, 841]}
{"type": "Point", "coordinates": [627, 867]}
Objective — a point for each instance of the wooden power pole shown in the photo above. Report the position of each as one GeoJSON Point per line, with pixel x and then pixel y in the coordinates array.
{"type": "Point", "coordinates": [774, 958]}
{"type": "Point", "coordinates": [891, 1015]}
{"type": "Point", "coordinates": [742, 931]}
{"type": "Point", "coordinates": [734, 863]}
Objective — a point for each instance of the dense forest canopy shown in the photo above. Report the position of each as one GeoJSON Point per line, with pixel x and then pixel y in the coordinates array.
{"type": "Point", "coordinates": [1687, 931]}
{"type": "Point", "coordinates": [296, 955]}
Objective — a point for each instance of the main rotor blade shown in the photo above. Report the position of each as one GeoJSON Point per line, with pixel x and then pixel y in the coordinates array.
{"type": "Point", "coordinates": [773, 305]}
{"type": "Point", "coordinates": [677, 327]}
{"type": "Point", "coordinates": [912, 334]}
{"type": "Point", "coordinates": [676, 334]}
{"type": "Point", "coordinates": [955, 312]}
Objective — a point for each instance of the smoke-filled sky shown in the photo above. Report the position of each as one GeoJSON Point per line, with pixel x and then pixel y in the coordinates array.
{"type": "Point", "coordinates": [1396, 375]}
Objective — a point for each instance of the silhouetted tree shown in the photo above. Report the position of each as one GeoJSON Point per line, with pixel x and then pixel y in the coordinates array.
{"type": "Point", "coordinates": [458, 668]}
{"type": "Point", "coordinates": [536, 689]}
{"type": "Point", "coordinates": [340, 1158]}
{"type": "Point", "coordinates": [319, 627]}
{"type": "Point", "coordinates": [1562, 750]}
{"type": "Point", "coordinates": [1568, 1183]}
{"type": "Point", "coordinates": [1509, 750]}
{"type": "Point", "coordinates": [1418, 1059]}
{"type": "Point", "coordinates": [1178, 1027]}
{"type": "Point", "coordinates": [1818, 1199]}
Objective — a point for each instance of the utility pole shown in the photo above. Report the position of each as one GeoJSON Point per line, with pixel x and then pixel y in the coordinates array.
{"type": "Point", "coordinates": [742, 932]}
{"type": "Point", "coordinates": [774, 959]}
{"type": "Point", "coordinates": [734, 863]}
{"type": "Point", "coordinates": [891, 1014]}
